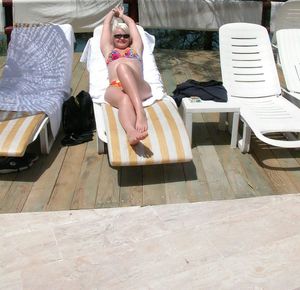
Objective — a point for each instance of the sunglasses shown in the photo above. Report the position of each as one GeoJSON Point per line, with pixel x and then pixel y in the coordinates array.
{"type": "Point", "coordinates": [119, 36]}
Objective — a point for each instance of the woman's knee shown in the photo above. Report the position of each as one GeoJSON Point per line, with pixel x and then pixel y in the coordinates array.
{"type": "Point", "coordinates": [125, 101]}
{"type": "Point", "coordinates": [116, 97]}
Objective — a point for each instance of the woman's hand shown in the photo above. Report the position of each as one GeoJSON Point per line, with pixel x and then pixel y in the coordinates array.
{"type": "Point", "coordinates": [118, 11]}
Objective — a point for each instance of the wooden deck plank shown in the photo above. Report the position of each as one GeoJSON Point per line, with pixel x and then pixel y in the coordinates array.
{"type": "Point", "coordinates": [50, 166]}
{"type": "Point", "coordinates": [295, 153]}
{"type": "Point", "coordinates": [19, 191]}
{"type": "Point", "coordinates": [6, 183]}
{"type": "Point", "coordinates": [255, 175]}
{"type": "Point", "coordinates": [83, 82]}
{"type": "Point", "coordinates": [217, 180]}
{"type": "Point", "coordinates": [131, 186]}
{"type": "Point", "coordinates": [15, 198]}
{"type": "Point", "coordinates": [175, 185]}
{"type": "Point", "coordinates": [280, 182]}
{"type": "Point", "coordinates": [87, 185]}
{"type": "Point", "coordinates": [196, 183]}
{"type": "Point", "coordinates": [108, 194]}
{"type": "Point", "coordinates": [63, 192]}
{"type": "Point", "coordinates": [77, 76]}
{"type": "Point", "coordinates": [289, 165]}
{"type": "Point", "coordinates": [153, 185]}
{"type": "Point", "coordinates": [228, 158]}
{"type": "Point", "coordinates": [76, 60]}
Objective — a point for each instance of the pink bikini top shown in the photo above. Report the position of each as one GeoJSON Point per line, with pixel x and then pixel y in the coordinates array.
{"type": "Point", "coordinates": [127, 53]}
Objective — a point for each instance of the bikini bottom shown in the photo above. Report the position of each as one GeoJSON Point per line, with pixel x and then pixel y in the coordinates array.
{"type": "Point", "coordinates": [116, 84]}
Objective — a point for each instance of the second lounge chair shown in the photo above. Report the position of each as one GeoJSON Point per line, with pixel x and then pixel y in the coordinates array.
{"type": "Point", "coordinates": [288, 41]}
{"type": "Point", "coordinates": [36, 80]}
{"type": "Point", "coordinates": [250, 77]}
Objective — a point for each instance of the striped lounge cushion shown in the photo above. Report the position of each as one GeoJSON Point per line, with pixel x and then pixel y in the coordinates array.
{"type": "Point", "coordinates": [17, 130]}
{"type": "Point", "coordinates": [167, 141]}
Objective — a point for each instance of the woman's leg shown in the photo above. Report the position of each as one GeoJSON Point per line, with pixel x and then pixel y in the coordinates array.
{"type": "Point", "coordinates": [117, 98]}
{"type": "Point", "coordinates": [138, 90]}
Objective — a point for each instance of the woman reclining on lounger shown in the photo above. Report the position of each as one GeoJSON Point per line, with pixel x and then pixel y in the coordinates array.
{"type": "Point", "coordinates": [122, 47]}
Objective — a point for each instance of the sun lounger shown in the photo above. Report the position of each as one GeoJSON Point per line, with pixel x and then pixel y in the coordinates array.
{"type": "Point", "coordinates": [250, 77]}
{"type": "Point", "coordinates": [288, 41]}
{"type": "Point", "coordinates": [167, 141]}
{"type": "Point", "coordinates": [287, 16]}
{"type": "Point", "coordinates": [36, 80]}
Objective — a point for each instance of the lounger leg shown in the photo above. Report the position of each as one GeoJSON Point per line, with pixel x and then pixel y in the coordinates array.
{"type": "Point", "coordinates": [244, 143]}
{"type": "Point", "coordinates": [100, 146]}
{"type": "Point", "coordinates": [233, 122]}
{"type": "Point", "coordinates": [188, 122]}
{"type": "Point", "coordinates": [234, 129]}
{"type": "Point", "coordinates": [44, 142]}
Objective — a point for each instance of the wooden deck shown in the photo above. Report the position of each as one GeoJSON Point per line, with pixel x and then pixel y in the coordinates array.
{"type": "Point", "coordinates": [78, 178]}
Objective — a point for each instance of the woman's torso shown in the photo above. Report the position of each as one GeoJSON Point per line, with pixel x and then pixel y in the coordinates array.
{"type": "Point", "coordinates": [128, 56]}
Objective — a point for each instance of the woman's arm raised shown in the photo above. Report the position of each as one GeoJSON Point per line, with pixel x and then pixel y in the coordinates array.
{"type": "Point", "coordinates": [106, 44]}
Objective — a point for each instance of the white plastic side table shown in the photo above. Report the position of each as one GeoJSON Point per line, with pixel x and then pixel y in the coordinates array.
{"type": "Point", "coordinates": [189, 108]}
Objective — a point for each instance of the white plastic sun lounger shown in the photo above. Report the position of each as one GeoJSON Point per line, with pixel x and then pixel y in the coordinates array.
{"type": "Point", "coordinates": [288, 41]}
{"type": "Point", "coordinates": [167, 141]}
{"type": "Point", "coordinates": [18, 128]}
{"type": "Point", "coordinates": [287, 16]}
{"type": "Point", "coordinates": [250, 77]}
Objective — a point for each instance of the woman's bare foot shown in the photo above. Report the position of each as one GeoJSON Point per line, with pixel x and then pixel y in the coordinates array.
{"type": "Point", "coordinates": [135, 137]}
{"type": "Point", "coordinates": [141, 124]}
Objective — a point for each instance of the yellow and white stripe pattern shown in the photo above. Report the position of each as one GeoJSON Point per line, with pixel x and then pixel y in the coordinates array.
{"type": "Point", "coordinates": [167, 141]}
{"type": "Point", "coordinates": [17, 130]}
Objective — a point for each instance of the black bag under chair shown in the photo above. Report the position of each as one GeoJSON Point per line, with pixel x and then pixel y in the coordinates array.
{"type": "Point", "coordinates": [78, 119]}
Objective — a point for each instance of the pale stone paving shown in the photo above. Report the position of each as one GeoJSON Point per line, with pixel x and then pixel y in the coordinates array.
{"type": "Point", "coordinates": [251, 243]}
